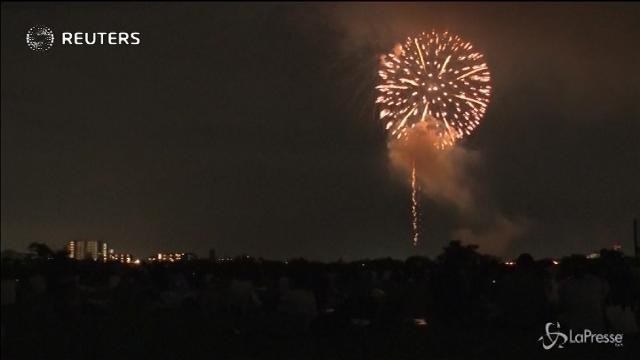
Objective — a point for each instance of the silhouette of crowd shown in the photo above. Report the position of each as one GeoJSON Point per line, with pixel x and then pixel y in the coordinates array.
{"type": "Point", "coordinates": [461, 304]}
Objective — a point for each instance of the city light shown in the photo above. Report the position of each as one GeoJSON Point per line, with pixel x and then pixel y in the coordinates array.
{"type": "Point", "coordinates": [168, 257]}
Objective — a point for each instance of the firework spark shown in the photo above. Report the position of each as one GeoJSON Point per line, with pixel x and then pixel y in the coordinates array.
{"type": "Point", "coordinates": [414, 205]}
{"type": "Point", "coordinates": [436, 78]}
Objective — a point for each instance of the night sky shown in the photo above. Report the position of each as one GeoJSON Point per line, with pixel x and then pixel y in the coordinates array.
{"type": "Point", "coordinates": [251, 128]}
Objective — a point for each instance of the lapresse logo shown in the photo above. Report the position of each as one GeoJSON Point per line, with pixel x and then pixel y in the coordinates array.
{"type": "Point", "coordinates": [558, 339]}
{"type": "Point", "coordinates": [41, 38]}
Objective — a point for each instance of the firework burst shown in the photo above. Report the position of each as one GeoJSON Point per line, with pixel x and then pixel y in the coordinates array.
{"type": "Point", "coordinates": [434, 78]}
{"type": "Point", "coordinates": [437, 79]}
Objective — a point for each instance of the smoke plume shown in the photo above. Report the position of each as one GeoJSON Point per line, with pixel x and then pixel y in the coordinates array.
{"type": "Point", "coordinates": [452, 177]}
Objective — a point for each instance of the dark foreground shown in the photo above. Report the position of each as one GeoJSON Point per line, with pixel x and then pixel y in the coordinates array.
{"type": "Point", "coordinates": [462, 305]}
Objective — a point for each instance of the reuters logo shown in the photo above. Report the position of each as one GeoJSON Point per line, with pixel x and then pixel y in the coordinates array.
{"type": "Point", "coordinates": [40, 38]}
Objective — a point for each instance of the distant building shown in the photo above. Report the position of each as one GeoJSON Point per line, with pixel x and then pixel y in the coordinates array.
{"type": "Point", "coordinates": [92, 248]}
{"type": "Point", "coordinates": [88, 249]}
{"type": "Point", "coordinates": [71, 249]}
{"type": "Point", "coordinates": [123, 258]}
{"type": "Point", "coordinates": [172, 257]}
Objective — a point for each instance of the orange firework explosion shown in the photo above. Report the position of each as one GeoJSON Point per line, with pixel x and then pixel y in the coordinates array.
{"type": "Point", "coordinates": [436, 78]}
{"type": "Point", "coordinates": [440, 80]}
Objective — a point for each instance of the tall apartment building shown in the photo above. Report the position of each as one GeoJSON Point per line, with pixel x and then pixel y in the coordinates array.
{"type": "Point", "coordinates": [88, 249]}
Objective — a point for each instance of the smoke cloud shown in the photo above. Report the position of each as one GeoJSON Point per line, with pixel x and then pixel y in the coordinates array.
{"type": "Point", "coordinates": [452, 177]}
{"type": "Point", "coordinates": [441, 173]}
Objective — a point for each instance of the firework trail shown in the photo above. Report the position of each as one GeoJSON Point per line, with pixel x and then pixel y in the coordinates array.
{"type": "Point", "coordinates": [436, 79]}
{"type": "Point", "coordinates": [414, 205]}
